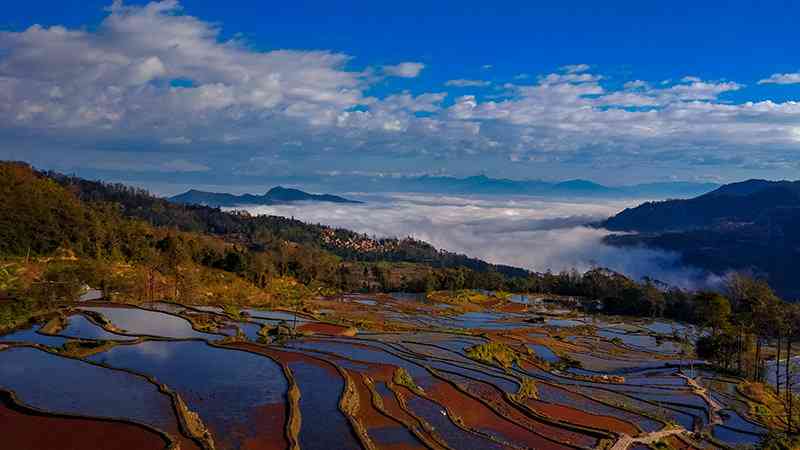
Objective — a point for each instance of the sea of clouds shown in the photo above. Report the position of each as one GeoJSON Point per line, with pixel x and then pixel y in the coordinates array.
{"type": "Point", "coordinates": [534, 233]}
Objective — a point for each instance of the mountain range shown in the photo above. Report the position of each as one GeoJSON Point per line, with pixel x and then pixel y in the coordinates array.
{"type": "Point", "coordinates": [484, 185]}
{"type": "Point", "coordinates": [275, 196]}
{"type": "Point", "coordinates": [749, 226]}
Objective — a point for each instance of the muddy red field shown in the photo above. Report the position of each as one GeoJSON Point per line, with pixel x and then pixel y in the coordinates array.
{"type": "Point", "coordinates": [22, 428]}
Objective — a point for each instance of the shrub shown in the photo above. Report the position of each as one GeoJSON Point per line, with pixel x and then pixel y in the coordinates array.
{"type": "Point", "coordinates": [492, 352]}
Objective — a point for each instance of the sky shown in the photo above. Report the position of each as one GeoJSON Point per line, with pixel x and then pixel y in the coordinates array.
{"type": "Point", "coordinates": [251, 93]}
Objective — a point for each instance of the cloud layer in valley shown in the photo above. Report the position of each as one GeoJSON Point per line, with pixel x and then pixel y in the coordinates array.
{"type": "Point", "coordinates": [155, 80]}
{"type": "Point", "coordinates": [525, 232]}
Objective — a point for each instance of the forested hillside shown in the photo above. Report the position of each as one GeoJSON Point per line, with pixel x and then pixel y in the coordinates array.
{"type": "Point", "coordinates": [260, 232]}
{"type": "Point", "coordinates": [752, 226]}
{"type": "Point", "coordinates": [730, 205]}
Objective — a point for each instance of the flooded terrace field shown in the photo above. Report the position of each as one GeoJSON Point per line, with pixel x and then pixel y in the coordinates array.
{"type": "Point", "coordinates": [372, 372]}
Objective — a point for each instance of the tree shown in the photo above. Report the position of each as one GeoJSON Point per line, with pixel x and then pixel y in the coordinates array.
{"type": "Point", "coordinates": [173, 254]}
{"type": "Point", "coordinates": [8, 278]}
{"type": "Point", "coordinates": [712, 310]}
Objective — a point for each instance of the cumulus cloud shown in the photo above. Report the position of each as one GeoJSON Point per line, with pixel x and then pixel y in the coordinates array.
{"type": "Point", "coordinates": [109, 78]}
{"type": "Point", "coordinates": [782, 78]}
{"type": "Point", "coordinates": [153, 76]}
{"type": "Point", "coordinates": [404, 70]}
{"type": "Point", "coordinates": [532, 233]}
{"type": "Point", "coordinates": [636, 84]}
{"type": "Point", "coordinates": [462, 82]}
{"type": "Point", "coordinates": [575, 68]}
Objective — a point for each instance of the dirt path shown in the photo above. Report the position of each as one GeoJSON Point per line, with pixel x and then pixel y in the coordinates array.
{"type": "Point", "coordinates": [713, 406]}
{"type": "Point", "coordinates": [626, 441]}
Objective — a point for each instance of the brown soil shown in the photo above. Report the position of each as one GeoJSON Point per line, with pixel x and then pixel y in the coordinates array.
{"type": "Point", "coordinates": [513, 307]}
{"type": "Point", "coordinates": [678, 444]}
{"type": "Point", "coordinates": [22, 428]}
{"type": "Point", "coordinates": [577, 417]}
{"type": "Point", "coordinates": [326, 328]}
{"type": "Point", "coordinates": [477, 416]}
{"type": "Point", "coordinates": [269, 420]}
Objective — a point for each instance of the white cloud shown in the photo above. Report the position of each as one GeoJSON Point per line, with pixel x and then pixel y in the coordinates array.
{"type": "Point", "coordinates": [570, 77]}
{"type": "Point", "coordinates": [575, 68]}
{"type": "Point", "coordinates": [404, 70]}
{"type": "Point", "coordinates": [155, 77]}
{"type": "Point", "coordinates": [525, 232]}
{"type": "Point", "coordinates": [462, 82]}
{"type": "Point", "coordinates": [486, 66]}
{"type": "Point", "coordinates": [636, 84]}
{"type": "Point", "coordinates": [108, 76]}
{"type": "Point", "coordinates": [781, 78]}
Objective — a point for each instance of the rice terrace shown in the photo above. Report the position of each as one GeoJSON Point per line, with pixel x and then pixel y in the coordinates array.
{"type": "Point", "coordinates": [463, 369]}
{"type": "Point", "coordinates": [414, 225]}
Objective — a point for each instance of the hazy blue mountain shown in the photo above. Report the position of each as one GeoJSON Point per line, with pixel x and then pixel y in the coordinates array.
{"type": "Point", "coordinates": [484, 185]}
{"type": "Point", "coordinates": [275, 196]}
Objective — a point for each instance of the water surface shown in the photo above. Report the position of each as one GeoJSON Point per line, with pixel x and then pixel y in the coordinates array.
{"type": "Point", "coordinates": [228, 388]}
{"type": "Point", "coordinates": [150, 323]}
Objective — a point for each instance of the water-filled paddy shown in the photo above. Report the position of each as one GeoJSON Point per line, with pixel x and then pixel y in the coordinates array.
{"type": "Point", "coordinates": [80, 327]}
{"type": "Point", "coordinates": [150, 323]}
{"type": "Point", "coordinates": [543, 352]}
{"type": "Point", "coordinates": [64, 385]}
{"type": "Point", "coordinates": [33, 336]}
{"type": "Point", "coordinates": [228, 388]}
{"type": "Point", "coordinates": [497, 376]}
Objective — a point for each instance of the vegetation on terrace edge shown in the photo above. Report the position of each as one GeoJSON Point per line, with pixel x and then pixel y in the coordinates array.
{"type": "Point", "coordinates": [59, 234]}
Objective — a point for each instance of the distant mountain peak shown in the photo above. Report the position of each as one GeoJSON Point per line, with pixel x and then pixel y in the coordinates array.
{"type": "Point", "coordinates": [482, 184]}
{"type": "Point", "coordinates": [274, 196]}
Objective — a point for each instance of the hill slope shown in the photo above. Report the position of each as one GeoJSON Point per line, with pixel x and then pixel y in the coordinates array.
{"type": "Point", "coordinates": [260, 232]}
{"type": "Point", "coordinates": [736, 203]}
{"type": "Point", "coordinates": [46, 214]}
{"type": "Point", "coordinates": [752, 226]}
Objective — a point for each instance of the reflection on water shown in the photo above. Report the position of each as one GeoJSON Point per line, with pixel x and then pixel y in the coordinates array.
{"type": "Point", "coordinates": [409, 296]}
{"type": "Point", "coordinates": [80, 327]}
{"type": "Point", "coordinates": [439, 419]}
{"type": "Point", "coordinates": [563, 323]}
{"type": "Point", "coordinates": [151, 323]}
{"type": "Point", "coordinates": [322, 422]}
{"type": "Point", "coordinates": [53, 383]}
{"type": "Point", "coordinates": [544, 352]}
{"type": "Point", "coordinates": [733, 437]}
{"type": "Point", "coordinates": [273, 316]}
{"type": "Point", "coordinates": [31, 335]}
{"type": "Point", "coordinates": [225, 387]}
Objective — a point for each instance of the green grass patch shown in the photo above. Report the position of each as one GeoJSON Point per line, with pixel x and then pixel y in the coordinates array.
{"type": "Point", "coordinates": [403, 378]}
{"type": "Point", "coordinates": [494, 352]}
{"type": "Point", "coordinates": [527, 390]}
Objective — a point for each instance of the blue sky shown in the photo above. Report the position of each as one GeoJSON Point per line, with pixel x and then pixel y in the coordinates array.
{"type": "Point", "coordinates": [251, 92]}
